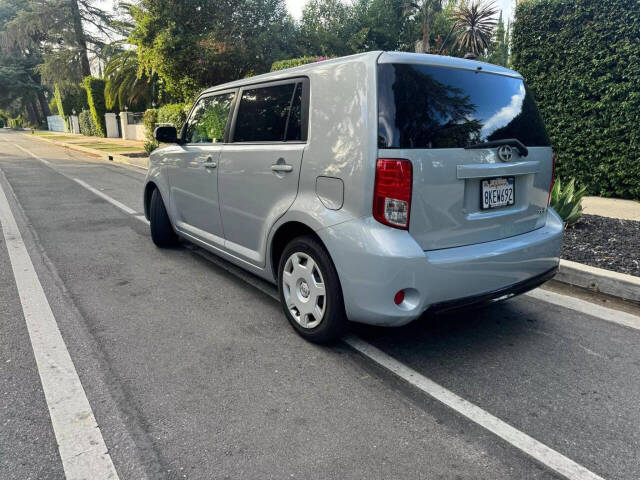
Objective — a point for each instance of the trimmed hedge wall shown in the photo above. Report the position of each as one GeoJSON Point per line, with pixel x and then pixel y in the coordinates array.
{"type": "Point", "coordinates": [149, 121]}
{"type": "Point", "coordinates": [582, 60]}
{"type": "Point", "coordinates": [70, 97]}
{"type": "Point", "coordinates": [97, 106]}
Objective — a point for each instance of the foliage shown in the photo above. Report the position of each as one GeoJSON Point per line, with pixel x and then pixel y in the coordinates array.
{"type": "Point", "coordinates": [173, 114]}
{"type": "Point", "coordinates": [189, 48]}
{"type": "Point", "coordinates": [87, 125]}
{"type": "Point", "coordinates": [95, 98]}
{"type": "Point", "coordinates": [149, 120]}
{"type": "Point", "coordinates": [126, 85]}
{"type": "Point", "coordinates": [150, 146]}
{"type": "Point", "coordinates": [499, 49]}
{"type": "Point", "coordinates": [582, 60]}
{"type": "Point", "coordinates": [294, 62]}
{"type": "Point", "coordinates": [474, 25]}
{"type": "Point", "coordinates": [53, 106]}
{"type": "Point", "coordinates": [70, 97]}
{"type": "Point", "coordinates": [15, 123]}
{"type": "Point", "coordinates": [567, 201]}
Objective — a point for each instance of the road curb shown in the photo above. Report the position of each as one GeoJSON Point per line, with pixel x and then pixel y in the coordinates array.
{"type": "Point", "coordinates": [611, 283]}
{"type": "Point", "coordinates": [142, 163]}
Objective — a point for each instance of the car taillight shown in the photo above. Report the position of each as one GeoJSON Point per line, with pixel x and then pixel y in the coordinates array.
{"type": "Point", "coordinates": [553, 174]}
{"type": "Point", "coordinates": [392, 192]}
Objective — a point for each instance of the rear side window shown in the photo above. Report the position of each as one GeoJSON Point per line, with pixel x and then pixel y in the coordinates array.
{"type": "Point", "coordinates": [422, 106]}
{"type": "Point", "coordinates": [269, 114]}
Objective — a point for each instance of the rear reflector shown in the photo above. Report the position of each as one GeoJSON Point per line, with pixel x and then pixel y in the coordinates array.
{"type": "Point", "coordinates": [399, 297]}
{"type": "Point", "coordinates": [392, 192]}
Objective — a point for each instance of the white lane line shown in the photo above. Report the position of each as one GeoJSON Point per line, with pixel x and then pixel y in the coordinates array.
{"type": "Point", "coordinates": [106, 197]}
{"type": "Point", "coordinates": [93, 190]}
{"type": "Point", "coordinates": [540, 452]}
{"type": "Point", "coordinates": [593, 309]}
{"type": "Point", "coordinates": [82, 449]}
{"type": "Point", "coordinates": [537, 450]}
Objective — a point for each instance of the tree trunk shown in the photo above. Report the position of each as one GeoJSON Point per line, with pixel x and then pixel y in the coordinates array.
{"type": "Point", "coordinates": [44, 106]}
{"type": "Point", "coordinates": [32, 113]}
{"type": "Point", "coordinates": [81, 40]}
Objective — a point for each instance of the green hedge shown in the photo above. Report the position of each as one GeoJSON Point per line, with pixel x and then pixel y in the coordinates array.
{"type": "Point", "coordinates": [582, 60]}
{"type": "Point", "coordinates": [149, 121]}
{"type": "Point", "coordinates": [69, 97]}
{"type": "Point", "coordinates": [174, 114]}
{"type": "Point", "coordinates": [97, 106]}
{"type": "Point", "coordinates": [87, 125]}
{"type": "Point", "coordinates": [294, 62]}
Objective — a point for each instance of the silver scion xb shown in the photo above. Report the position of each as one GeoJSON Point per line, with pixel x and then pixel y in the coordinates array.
{"type": "Point", "coordinates": [370, 188]}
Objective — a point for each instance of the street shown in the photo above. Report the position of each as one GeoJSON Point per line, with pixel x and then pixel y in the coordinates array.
{"type": "Point", "coordinates": [192, 371]}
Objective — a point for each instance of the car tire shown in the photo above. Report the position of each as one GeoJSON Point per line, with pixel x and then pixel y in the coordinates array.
{"type": "Point", "coordinates": [310, 291]}
{"type": "Point", "coordinates": [162, 232]}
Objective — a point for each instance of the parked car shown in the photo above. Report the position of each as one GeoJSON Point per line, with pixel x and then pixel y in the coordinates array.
{"type": "Point", "coordinates": [370, 188]}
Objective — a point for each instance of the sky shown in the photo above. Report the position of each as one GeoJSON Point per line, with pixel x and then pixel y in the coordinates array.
{"type": "Point", "coordinates": [296, 6]}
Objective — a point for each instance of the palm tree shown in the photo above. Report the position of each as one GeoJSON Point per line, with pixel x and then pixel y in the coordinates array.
{"type": "Point", "coordinates": [125, 85]}
{"type": "Point", "coordinates": [474, 25]}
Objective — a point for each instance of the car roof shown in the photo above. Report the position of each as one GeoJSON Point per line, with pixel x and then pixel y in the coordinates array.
{"type": "Point", "coordinates": [373, 57]}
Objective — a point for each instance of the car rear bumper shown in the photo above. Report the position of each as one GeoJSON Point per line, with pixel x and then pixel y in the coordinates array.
{"type": "Point", "coordinates": [374, 262]}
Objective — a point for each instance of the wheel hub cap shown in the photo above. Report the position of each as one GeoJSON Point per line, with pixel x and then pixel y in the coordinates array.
{"type": "Point", "coordinates": [304, 290]}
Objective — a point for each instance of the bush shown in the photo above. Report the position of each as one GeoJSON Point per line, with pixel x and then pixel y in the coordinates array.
{"type": "Point", "coordinates": [87, 125]}
{"type": "Point", "coordinates": [15, 123]}
{"type": "Point", "coordinates": [149, 121]}
{"type": "Point", "coordinates": [53, 106]}
{"type": "Point", "coordinates": [294, 62]}
{"type": "Point", "coordinates": [97, 106]}
{"type": "Point", "coordinates": [69, 97]}
{"type": "Point", "coordinates": [174, 114]}
{"type": "Point", "coordinates": [150, 146]}
{"type": "Point", "coordinates": [582, 60]}
{"type": "Point", "coordinates": [567, 201]}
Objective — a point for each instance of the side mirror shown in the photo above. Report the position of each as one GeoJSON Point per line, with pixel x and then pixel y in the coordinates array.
{"type": "Point", "coordinates": [166, 134]}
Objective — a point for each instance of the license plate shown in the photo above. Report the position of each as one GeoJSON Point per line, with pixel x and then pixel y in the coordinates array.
{"type": "Point", "coordinates": [497, 192]}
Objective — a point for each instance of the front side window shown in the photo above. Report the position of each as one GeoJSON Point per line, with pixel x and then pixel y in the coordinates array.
{"type": "Point", "coordinates": [424, 106]}
{"type": "Point", "coordinates": [263, 114]}
{"type": "Point", "coordinates": [208, 120]}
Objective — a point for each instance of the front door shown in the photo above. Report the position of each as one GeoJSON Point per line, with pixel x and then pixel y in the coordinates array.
{"type": "Point", "coordinates": [194, 177]}
{"type": "Point", "coordinates": [260, 167]}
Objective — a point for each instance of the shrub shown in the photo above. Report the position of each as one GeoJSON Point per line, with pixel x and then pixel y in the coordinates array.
{"type": "Point", "coordinates": [150, 146]}
{"type": "Point", "coordinates": [173, 114]}
{"type": "Point", "coordinates": [567, 201]}
{"type": "Point", "coordinates": [87, 125]}
{"type": "Point", "coordinates": [149, 121]}
{"type": "Point", "coordinates": [97, 106]}
{"type": "Point", "coordinates": [53, 106]}
{"type": "Point", "coordinates": [582, 60]}
{"type": "Point", "coordinates": [69, 97]}
{"type": "Point", "coordinates": [1, 122]}
{"type": "Point", "coordinates": [294, 62]}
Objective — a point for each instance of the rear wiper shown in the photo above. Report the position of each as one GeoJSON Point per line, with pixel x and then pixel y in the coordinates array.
{"type": "Point", "coordinates": [512, 142]}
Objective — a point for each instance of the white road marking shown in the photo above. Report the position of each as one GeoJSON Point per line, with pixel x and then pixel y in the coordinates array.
{"type": "Point", "coordinates": [603, 313]}
{"type": "Point", "coordinates": [106, 197]}
{"type": "Point", "coordinates": [540, 452]}
{"type": "Point", "coordinates": [82, 449]}
{"type": "Point", "coordinates": [537, 450]}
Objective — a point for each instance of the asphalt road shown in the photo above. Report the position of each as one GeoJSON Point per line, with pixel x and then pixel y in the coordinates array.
{"type": "Point", "coordinates": [192, 371]}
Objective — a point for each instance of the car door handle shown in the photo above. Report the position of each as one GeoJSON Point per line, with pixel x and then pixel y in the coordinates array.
{"type": "Point", "coordinates": [281, 167]}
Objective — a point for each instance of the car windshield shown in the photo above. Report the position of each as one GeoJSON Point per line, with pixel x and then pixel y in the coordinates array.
{"type": "Point", "coordinates": [423, 106]}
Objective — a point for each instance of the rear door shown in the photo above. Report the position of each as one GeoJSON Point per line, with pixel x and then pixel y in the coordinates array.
{"type": "Point", "coordinates": [260, 167]}
{"type": "Point", "coordinates": [482, 161]}
{"type": "Point", "coordinates": [194, 177]}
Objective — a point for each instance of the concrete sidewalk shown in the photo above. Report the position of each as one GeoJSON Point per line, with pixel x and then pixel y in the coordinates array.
{"type": "Point", "coordinates": [611, 207]}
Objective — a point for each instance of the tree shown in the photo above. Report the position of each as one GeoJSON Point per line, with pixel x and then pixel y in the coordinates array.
{"type": "Point", "coordinates": [126, 86]}
{"type": "Point", "coordinates": [474, 25]}
{"type": "Point", "coordinates": [499, 51]}
{"type": "Point", "coordinates": [190, 50]}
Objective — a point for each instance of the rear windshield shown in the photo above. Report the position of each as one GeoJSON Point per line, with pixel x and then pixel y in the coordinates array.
{"type": "Point", "coordinates": [422, 106]}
